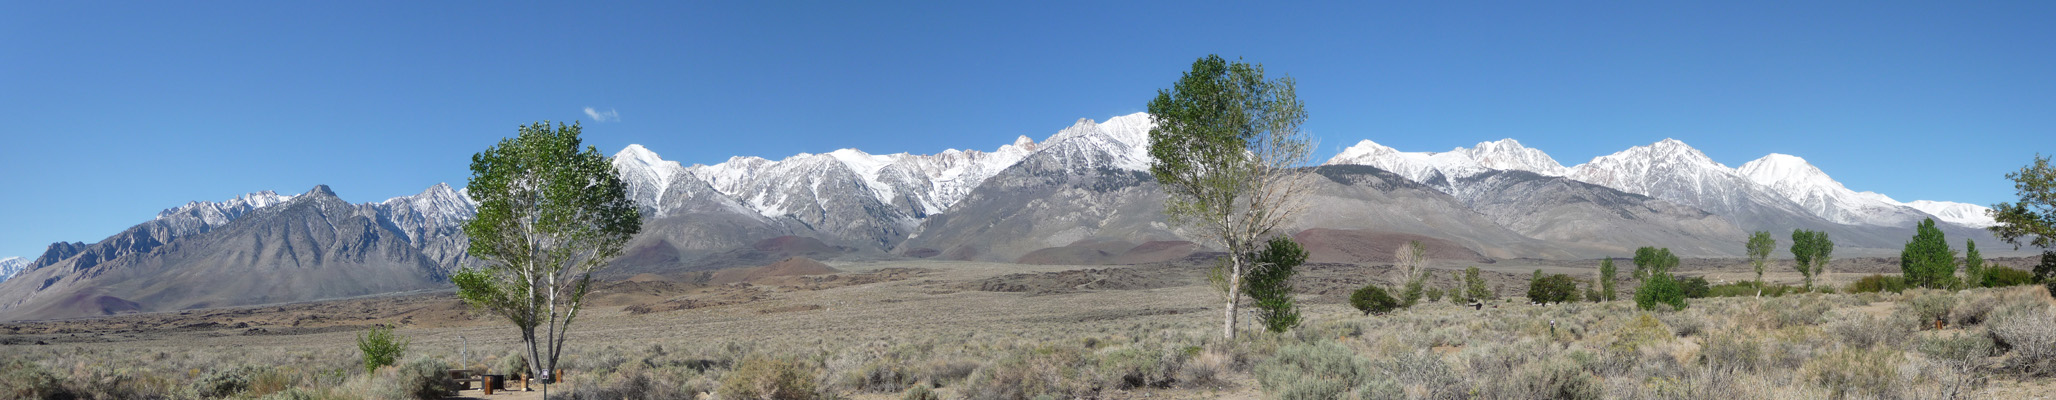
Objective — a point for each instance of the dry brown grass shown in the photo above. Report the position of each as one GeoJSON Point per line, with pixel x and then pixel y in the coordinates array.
{"type": "Point", "coordinates": [931, 328]}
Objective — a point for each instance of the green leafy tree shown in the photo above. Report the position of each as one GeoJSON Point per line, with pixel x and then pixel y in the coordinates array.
{"type": "Point", "coordinates": [549, 214]}
{"type": "Point", "coordinates": [1372, 299]}
{"type": "Point", "coordinates": [1456, 295]}
{"type": "Point", "coordinates": [2032, 220]}
{"type": "Point", "coordinates": [1474, 286]}
{"type": "Point", "coordinates": [1653, 261]}
{"type": "Point", "coordinates": [1927, 260]}
{"type": "Point", "coordinates": [381, 347]}
{"type": "Point", "coordinates": [1411, 259]}
{"type": "Point", "coordinates": [1270, 283]}
{"type": "Point", "coordinates": [1811, 251]}
{"type": "Point", "coordinates": [1761, 244]}
{"type": "Point", "coordinates": [1607, 278]}
{"type": "Point", "coordinates": [1225, 148]}
{"type": "Point", "coordinates": [1660, 289]}
{"type": "Point", "coordinates": [1554, 288]}
{"type": "Point", "coordinates": [1973, 265]}
{"type": "Point", "coordinates": [1658, 286]}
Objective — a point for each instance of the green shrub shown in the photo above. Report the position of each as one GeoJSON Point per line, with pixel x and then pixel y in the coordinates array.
{"type": "Point", "coordinates": [1269, 283]}
{"type": "Point", "coordinates": [1434, 294]}
{"type": "Point", "coordinates": [1474, 286]}
{"type": "Point", "coordinates": [881, 376]}
{"type": "Point", "coordinates": [1997, 276]}
{"type": "Point", "coordinates": [1373, 299]}
{"type": "Point", "coordinates": [1878, 283]}
{"type": "Point", "coordinates": [1139, 367]}
{"type": "Point", "coordinates": [1695, 287]}
{"type": "Point", "coordinates": [1660, 289]}
{"type": "Point", "coordinates": [764, 378]}
{"type": "Point", "coordinates": [1557, 379]}
{"type": "Point", "coordinates": [1558, 288]}
{"type": "Point", "coordinates": [380, 347]}
{"type": "Point", "coordinates": [1749, 289]}
{"type": "Point", "coordinates": [1412, 294]}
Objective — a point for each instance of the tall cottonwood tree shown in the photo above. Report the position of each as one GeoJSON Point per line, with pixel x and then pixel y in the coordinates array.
{"type": "Point", "coordinates": [1760, 245]}
{"type": "Point", "coordinates": [2032, 220]}
{"type": "Point", "coordinates": [1973, 265]}
{"type": "Point", "coordinates": [1411, 258]}
{"type": "Point", "coordinates": [1225, 148]}
{"type": "Point", "coordinates": [1927, 260]}
{"type": "Point", "coordinates": [549, 214]}
{"type": "Point", "coordinates": [1811, 251]}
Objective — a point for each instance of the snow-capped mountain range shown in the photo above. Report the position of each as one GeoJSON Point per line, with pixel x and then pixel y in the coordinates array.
{"type": "Point", "coordinates": [1670, 169]}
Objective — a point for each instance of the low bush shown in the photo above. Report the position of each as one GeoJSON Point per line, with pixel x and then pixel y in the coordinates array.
{"type": "Point", "coordinates": [1930, 306]}
{"type": "Point", "coordinates": [1854, 371]}
{"type": "Point", "coordinates": [2000, 276]}
{"type": "Point", "coordinates": [764, 378]}
{"type": "Point", "coordinates": [1878, 283]}
{"type": "Point", "coordinates": [921, 393]}
{"type": "Point", "coordinates": [21, 379]}
{"type": "Point", "coordinates": [1695, 287]}
{"type": "Point", "coordinates": [1556, 379]}
{"type": "Point", "coordinates": [1750, 289]}
{"type": "Point", "coordinates": [1372, 299]}
{"type": "Point", "coordinates": [1860, 330]}
{"type": "Point", "coordinates": [1137, 367]}
{"type": "Point", "coordinates": [1313, 371]}
{"type": "Point", "coordinates": [2029, 334]}
{"type": "Point", "coordinates": [1434, 294]}
{"type": "Point", "coordinates": [225, 382]}
{"type": "Point", "coordinates": [421, 378]}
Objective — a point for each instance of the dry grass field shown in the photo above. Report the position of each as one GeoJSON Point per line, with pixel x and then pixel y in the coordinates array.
{"type": "Point", "coordinates": [951, 330]}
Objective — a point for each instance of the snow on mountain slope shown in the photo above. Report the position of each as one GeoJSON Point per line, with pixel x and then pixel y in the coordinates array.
{"type": "Point", "coordinates": [199, 216]}
{"type": "Point", "coordinates": [438, 208]}
{"type": "Point", "coordinates": [1965, 214]}
{"type": "Point", "coordinates": [11, 266]}
{"type": "Point", "coordinates": [1805, 184]}
{"type": "Point", "coordinates": [1504, 154]}
{"type": "Point", "coordinates": [645, 174]}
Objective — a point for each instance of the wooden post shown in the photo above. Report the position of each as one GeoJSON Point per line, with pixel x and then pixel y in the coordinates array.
{"type": "Point", "coordinates": [489, 381]}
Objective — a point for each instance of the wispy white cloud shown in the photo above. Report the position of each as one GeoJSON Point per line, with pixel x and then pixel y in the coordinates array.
{"type": "Point", "coordinates": [603, 116]}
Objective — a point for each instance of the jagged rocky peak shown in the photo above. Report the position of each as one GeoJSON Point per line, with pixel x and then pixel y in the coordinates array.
{"type": "Point", "coordinates": [645, 173]}
{"type": "Point", "coordinates": [58, 252]}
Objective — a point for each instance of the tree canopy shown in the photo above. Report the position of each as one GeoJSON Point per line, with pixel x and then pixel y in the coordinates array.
{"type": "Point", "coordinates": [549, 214]}
{"type": "Point", "coordinates": [1811, 251]}
{"type": "Point", "coordinates": [1927, 260]}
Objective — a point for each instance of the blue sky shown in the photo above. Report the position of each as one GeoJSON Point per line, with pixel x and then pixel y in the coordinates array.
{"type": "Point", "coordinates": [119, 110]}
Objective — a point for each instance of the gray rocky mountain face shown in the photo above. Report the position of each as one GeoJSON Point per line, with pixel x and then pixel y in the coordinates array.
{"type": "Point", "coordinates": [314, 246]}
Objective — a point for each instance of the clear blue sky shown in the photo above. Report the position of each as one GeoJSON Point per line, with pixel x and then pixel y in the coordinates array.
{"type": "Point", "coordinates": [118, 110]}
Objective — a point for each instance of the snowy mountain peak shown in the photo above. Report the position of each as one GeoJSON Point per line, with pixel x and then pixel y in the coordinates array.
{"type": "Point", "coordinates": [213, 213]}
{"type": "Point", "coordinates": [1508, 154]}
{"type": "Point", "coordinates": [1125, 138]}
{"type": "Point", "coordinates": [1801, 182]}
{"type": "Point", "coordinates": [11, 266]}
{"type": "Point", "coordinates": [1966, 214]}
{"type": "Point", "coordinates": [645, 173]}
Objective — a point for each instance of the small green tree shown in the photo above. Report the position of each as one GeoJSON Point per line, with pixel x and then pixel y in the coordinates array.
{"type": "Point", "coordinates": [1651, 261]}
{"type": "Point", "coordinates": [1226, 148]}
{"type": "Point", "coordinates": [1927, 260]}
{"type": "Point", "coordinates": [1973, 265]}
{"type": "Point", "coordinates": [1412, 294]}
{"type": "Point", "coordinates": [1456, 295]}
{"type": "Point", "coordinates": [1811, 251]}
{"type": "Point", "coordinates": [1270, 283]}
{"type": "Point", "coordinates": [1474, 286]}
{"type": "Point", "coordinates": [1411, 259]}
{"type": "Point", "coordinates": [1658, 286]}
{"type": "Point", "coordinates": [1607, 278]}
{"type": "Point", "coordinates": [1372, 299]}
{"type": "Point", "coordinates": [1660, 289]}
{"type": "Point", "coordinates": [1760, 246]}
{"type": "Point", "coordinates": [381, 347]}
{"type": "Point", "coordinates": [549, 214]}
{"type": "Point", "coordinates": [1554, 288]}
